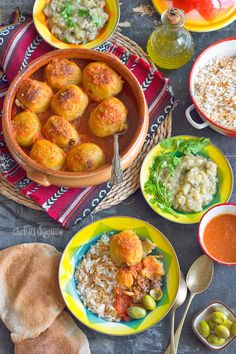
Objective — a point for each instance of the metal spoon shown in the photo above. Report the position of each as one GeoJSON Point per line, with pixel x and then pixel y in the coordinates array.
{"type": "Point", "coordinates": [179, 300]}
{"type": "Point", "coordinates": [116, 172]}
{"type": "Point", "coordinates": [198, 279]}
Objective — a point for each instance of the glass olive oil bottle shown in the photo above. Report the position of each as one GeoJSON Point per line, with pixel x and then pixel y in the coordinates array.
{"type": "Point", "coordinates": [170, 46]}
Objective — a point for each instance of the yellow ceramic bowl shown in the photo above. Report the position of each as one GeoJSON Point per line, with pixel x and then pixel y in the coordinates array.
{"type": "Point", "coordinates": [112, 8]}
{"type": "Point", "coordinates": [224, 186]}
{"type": "Point", "coordinates": [79, 246]}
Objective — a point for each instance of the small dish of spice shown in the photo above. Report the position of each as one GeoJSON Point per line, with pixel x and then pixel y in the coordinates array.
{"type": "Point", "coordinates": [215, 325]}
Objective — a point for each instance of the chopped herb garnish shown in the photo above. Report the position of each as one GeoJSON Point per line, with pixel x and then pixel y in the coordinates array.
{"type": "Point", "coordinates": [84, 12]}
{"type": "Point", "coordinates": [164, 166]}
{"type": "Point", "coordinates": [67, 10]}
{"type": "Point", "coordinates": [70, 23]}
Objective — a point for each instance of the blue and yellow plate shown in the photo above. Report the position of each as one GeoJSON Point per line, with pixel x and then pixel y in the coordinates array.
{"type": "Point", "coordinates": [79, 246]}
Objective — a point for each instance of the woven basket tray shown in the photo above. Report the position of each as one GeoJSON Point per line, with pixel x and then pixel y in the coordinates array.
{"type": "Point", "coordinates": [131, 175]}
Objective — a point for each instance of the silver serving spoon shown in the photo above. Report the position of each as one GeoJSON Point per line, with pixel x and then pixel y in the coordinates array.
{"type": "Point", "coordinates": [179, 300]}
{"type": "Point", "coordinates": [198, 279]}
{"type": "Point", "coordinates": [116, 172]}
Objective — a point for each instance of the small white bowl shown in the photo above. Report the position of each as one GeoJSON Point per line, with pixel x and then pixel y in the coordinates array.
{"type": "Point", "coordinates": [204, 314]}
{"type": "Point", "coordinates": [222, 48]}
{"type": "Point", "coordinates": [226, 208]}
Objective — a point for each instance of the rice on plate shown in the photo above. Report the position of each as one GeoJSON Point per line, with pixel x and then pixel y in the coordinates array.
{"type": "Point", "coordinates": [117, 274]}
{"type": "Point", "coordinates": [215, 91]}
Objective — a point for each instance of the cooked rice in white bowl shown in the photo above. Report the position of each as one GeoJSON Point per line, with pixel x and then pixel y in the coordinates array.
{"type": "Point", "coordinates": [215, 91]}
{"type": "Point", "coordinates": [96, 279]}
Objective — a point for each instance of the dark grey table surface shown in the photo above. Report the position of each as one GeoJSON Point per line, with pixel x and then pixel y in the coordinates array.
{"type": "Point", "coordinates": [19, 224]}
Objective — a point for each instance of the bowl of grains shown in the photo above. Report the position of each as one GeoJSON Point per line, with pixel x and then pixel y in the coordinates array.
{"type": "Point", "coordinates": [119, 276]}
{"type": "Point", "coordinates": [212, 86]}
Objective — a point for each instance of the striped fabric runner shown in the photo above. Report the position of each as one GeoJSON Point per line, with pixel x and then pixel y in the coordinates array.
{"type": "Point", "coordinates": [19, 45]}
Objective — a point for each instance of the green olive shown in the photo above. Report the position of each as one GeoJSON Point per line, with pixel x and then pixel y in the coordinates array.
{"type": "Point", "coordinates": [218, 317]}
{"type": "Point", "coordinates": [136, 312]}
{"type": "Point", "coordinates": [211, 324]}
{"type": "Point", "coordinates": [213, 339]}
{"type": "Point", "coordinates": [222, 331]}
{"type": "Point", "coordinates": [149, 303]}
{"type": "Point", "coordinates": [228, 324]}
{"type": "Point", "coordinates": [233, 329]}
{"type": "Point", "coordinates": [204, 329]}
{"type": "Point", "coordinates": [220, 308]}
{"type": "Point", "coordinates": [157, 294]}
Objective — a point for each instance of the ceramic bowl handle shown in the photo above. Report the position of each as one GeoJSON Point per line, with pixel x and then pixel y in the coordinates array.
{"type": "Point", "coordinates": [191, 121]}
{"type": "Point", "coordinates": [38, 178]}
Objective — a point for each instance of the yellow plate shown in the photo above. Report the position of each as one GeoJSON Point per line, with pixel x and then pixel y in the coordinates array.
{"type": "Point", "coordinates": [224, 186]}
{"type": "Point", "coordinates": [80, 244]}
{"type": "Point", "coordinates": [112, 8]}
{"type": "Point", "coordinates": [195, 22]}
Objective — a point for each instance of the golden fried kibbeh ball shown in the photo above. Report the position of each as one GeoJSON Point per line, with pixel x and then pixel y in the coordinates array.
{"type": "Point", "coordinates": [34, 95]}
{"type": "Point", "coordinates": [69, 102]}
{"type": "Point", "coordinates": [126, 247]}
{"type": "Point", "coordinates": [108, 118]}
{"type": "Point", "coordinates": [101, 82]}
{"type": "Point", "coordinates": [85, 157]}
{"type": "Point", "coordinates": [59, 131]}
{"type": "Point", "coordinates": [48, 154]}
{"type": "Point", "coordinates": [27, 127]}
{"type": "Point", "coordinates": [61, 72]}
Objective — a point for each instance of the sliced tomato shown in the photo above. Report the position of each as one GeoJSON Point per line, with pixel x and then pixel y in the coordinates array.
{"type": "Point", "coordinates": [186, 5]}
{"type": "Point", "coordinates": [208, 8]}
{"type": "Point", "coordinates": [122, 303]}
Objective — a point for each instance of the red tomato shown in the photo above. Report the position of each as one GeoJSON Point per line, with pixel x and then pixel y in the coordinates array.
{"type": "Point", "coordinates": [122, 303]}
{"type": "Point", "coordinates": [208, 8]}
{"type": "Point", "coordinates": [186, 5]}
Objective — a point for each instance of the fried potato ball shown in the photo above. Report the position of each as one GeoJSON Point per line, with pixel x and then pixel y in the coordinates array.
{"type": "Point", "coordinates": [108, 118]}
{"type": "Point", "coordinates": [69, 102]}
{"type": "Point", "coordinates": [61, 72]}
{"type": "Point", "coordinates": [59, 131]}
{"type": "Point", "coordinates": [101, 82]}
{"type": "Point", "coordinates": [48, 154]}
{"type": "Point", "coordinates": [152, 268]}
{"type": "Point", "coordinates": [85, 157]}
{"type": "Point", "coordinates": [27, 127]}
{"type": "Point", "coordinates": [34, 95]}
{"type": "Point", "coordinates": [126, 247]}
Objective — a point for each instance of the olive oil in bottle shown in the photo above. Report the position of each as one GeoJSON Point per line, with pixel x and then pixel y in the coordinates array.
{"type": "Point", "coordinates": [170, 46]}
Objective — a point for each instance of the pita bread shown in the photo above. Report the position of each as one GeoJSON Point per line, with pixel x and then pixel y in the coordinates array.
{"type": "Point", "coordinates": [63, 337]}
{"type": "Point", "coordinates": [30, 297]}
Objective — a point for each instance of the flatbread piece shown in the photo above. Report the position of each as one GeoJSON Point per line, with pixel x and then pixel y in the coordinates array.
{"type": "Point", "coordinates": [63, 337]}
{"type": "Point", "coordinates": [30, 297]}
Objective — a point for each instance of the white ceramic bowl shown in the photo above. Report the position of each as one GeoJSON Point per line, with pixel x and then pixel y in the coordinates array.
{"type": "Point", "coordinates": [204, 314]}
{"type": "Point", "coordinates": [224, 47]}
{"type": "Point", "coordinates": [226, 208]}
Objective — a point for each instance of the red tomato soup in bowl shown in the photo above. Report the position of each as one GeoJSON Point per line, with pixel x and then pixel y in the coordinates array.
{"type": "Point", "coordinates": [217, 233]}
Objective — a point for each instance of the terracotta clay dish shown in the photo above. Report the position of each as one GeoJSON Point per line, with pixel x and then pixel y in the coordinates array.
{"type": "Point", "coordinates": [64, 172]}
